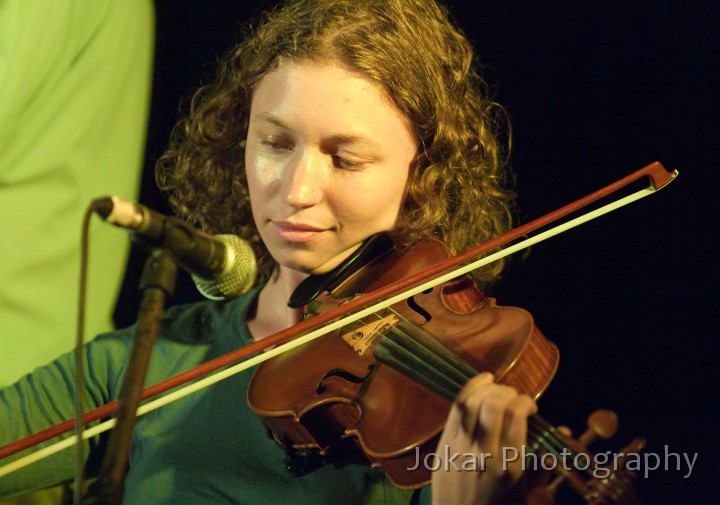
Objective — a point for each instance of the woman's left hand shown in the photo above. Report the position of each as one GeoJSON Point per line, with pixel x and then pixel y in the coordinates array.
{"type": "Point", "coordinates": [482, 442]}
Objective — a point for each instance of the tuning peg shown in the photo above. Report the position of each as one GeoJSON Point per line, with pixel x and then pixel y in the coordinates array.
{"type": "Point", "coordinates": [601, 423]}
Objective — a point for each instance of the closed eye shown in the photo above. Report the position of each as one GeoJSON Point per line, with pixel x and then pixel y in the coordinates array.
{"type": "Point", "coordinates": [340, 162]}
{"type": "Point", "coordinates": [276, 145]}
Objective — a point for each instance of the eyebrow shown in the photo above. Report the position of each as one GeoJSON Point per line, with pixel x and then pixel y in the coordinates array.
{"type": "Point", "coordinates": [340, 138]}
{"type": "Point", "coordinates": [272, 119]}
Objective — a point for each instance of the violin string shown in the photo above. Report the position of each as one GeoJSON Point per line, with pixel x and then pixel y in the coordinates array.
{"type": "Point", "coordinates": [552, 441]}
{"type": "Point", "coordinates": [543, 431]}
{"type": "Point", "coordinates": [394, 353]}
{"type": "Point", "coordinates": [398, 349]}
{"type": "Point", "coordinates": [545, 436]}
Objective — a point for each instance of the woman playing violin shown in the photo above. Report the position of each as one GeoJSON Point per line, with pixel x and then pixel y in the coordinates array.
{"type": "Point", "coordinates": [332, 121]}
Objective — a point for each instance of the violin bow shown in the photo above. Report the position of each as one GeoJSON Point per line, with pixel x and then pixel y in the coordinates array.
{"type": "Point", "coordinates": [353, 310]}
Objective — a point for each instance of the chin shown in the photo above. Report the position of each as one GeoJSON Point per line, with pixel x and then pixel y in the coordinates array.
{"type": "Point", "coordinates": [312, 265]}
{"type": "Point", "coordinates": [313, 260]}
{"type": "Point", "coordinates": [310, 268]}
{"type": "Point", "coordinates": [306, 265]}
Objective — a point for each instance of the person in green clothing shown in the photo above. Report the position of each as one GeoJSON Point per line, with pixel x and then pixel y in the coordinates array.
{"type": "Point", "coordinates": [332, 121]}
{"type": "Point", "coordinates": [75, 83]}
{"type": "Point", "coordinates": [74, 95]}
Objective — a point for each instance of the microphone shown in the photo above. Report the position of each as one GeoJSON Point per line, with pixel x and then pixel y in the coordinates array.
{"type": "Point", "coordinates": [222, 266]}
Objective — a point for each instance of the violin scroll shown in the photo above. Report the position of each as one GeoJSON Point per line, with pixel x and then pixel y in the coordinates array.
{"type": "Point", "coordinates": [598, 483]}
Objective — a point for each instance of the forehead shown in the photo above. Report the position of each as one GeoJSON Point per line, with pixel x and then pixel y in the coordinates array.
{"type": "Point", "coordinates": [304, 93]}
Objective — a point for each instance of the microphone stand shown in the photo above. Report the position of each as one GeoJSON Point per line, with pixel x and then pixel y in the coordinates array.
{"type": "Point", "coordinates": [157, 283]}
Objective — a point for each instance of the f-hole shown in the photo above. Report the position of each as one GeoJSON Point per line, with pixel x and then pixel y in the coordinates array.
{"type": "Point", "coordinates": [417, 308]}
{"type": "Point", "coordinates": [343, 374]}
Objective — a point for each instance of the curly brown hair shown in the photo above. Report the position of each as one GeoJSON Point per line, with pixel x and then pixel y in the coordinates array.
{"type": "Point", "coordinates": [458, 187]}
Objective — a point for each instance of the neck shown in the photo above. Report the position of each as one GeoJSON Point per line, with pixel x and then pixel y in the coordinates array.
{"type": "Point", "coordinates": [272, 313]}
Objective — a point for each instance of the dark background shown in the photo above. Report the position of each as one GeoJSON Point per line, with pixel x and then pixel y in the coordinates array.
{"type": "Point", "coordinates": [595, 90]}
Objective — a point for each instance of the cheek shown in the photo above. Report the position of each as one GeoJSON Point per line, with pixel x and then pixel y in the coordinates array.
{"type": "Point", "coordinates": [380, 204]}
{"type": "Point", "coordinates": [261, 171]}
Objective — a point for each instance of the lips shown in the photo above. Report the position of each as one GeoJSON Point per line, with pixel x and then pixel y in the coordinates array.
{"type": "Point", "coordinates": [296, 232]}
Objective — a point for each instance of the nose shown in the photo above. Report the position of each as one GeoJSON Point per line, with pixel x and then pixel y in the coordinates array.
{"type": "Point", "coordinates": [304, 180]}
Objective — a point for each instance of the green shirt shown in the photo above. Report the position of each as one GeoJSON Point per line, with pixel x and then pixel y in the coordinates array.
{"type": "Point", "coordinates": [207, 448]}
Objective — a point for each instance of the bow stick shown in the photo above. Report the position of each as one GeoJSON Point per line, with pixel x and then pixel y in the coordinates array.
{"type": "Point", "coordinates": [351, 311]}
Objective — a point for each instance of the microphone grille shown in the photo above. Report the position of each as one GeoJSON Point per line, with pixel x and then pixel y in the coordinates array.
{"type": "Point", "coordinates": [238, 275]}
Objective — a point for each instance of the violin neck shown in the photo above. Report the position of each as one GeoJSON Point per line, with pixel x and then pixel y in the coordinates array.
{"type": "Point", "coordinates": [416, 354]}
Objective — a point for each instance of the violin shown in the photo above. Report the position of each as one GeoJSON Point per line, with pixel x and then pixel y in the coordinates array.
{"type": "Point", "coordinates": [439, 321]}
{"type": "Point", "coordinates": [379, 390]}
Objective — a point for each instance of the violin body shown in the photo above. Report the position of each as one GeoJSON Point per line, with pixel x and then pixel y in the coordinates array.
{"type": "Point", "coordinates": [334, 389]}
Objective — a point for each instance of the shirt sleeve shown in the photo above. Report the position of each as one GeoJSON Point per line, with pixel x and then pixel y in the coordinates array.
{"type": "Point", "coordinates": [45, 398]}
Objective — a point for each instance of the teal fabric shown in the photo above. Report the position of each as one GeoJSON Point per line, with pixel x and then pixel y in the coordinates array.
{"type": "Point", "coordinates": [208, 448]}
{"type": "Point", "coordinates": [75, 80]}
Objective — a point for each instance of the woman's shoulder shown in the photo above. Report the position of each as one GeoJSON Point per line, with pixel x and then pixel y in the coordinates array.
{"type": "Point", "coordinates": [197, 322]}
{"type": "Point", "coordinates": [208, 320]}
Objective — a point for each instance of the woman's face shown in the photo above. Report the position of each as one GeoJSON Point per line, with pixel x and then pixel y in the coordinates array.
{"type": "Point", "coordinates": [327, 162]}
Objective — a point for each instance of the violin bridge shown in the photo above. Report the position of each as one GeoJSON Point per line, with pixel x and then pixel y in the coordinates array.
{"type": "Point", "coordinates": [361, 336]}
